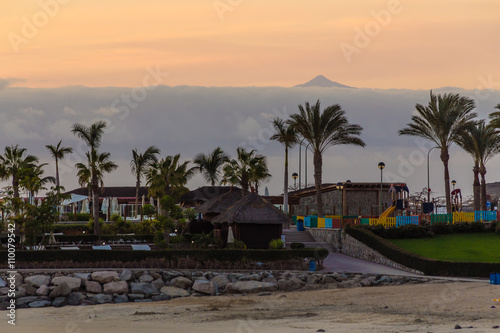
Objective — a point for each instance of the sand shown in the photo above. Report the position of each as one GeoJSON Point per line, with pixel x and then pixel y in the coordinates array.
{"type": "Point", "coordinates": [430, 307]}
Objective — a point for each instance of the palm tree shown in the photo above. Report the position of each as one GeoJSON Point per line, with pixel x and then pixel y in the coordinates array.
{"type": "Point", "coordinates": [288, 137]}
{"type": "Point", "coordinates": [14, 162]}
{"type": "Point", "coordinates": [242, 170]}
{"type": "Point", "coordinates": [495, 118]}
{"type": "Point", "coordinates": [168, 177]}
{"type": "Point", "coordinates": [323, 130]}
{"type": "Point", "coordinates": [139, 166]}
{"type": "Point", "coordinates": [97, 165]}
{"type": "Point", "coordinates": [468, 141]}
{"type": "Point", "coordinates": [92, 136]}
{"type": "Point", "coordinates": [33, 181]}
{"type": "Point", "coordinates": [442, 122]}
{"type": "Point", "coordinates": [58, 153]}
{"type": "Point", "coordinates": [259, 173]}
{"type": "Point", "coordinates": [210, 165]}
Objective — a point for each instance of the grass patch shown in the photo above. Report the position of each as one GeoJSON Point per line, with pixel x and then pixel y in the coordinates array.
{"type": "Point", "coordinates": [475, 247]}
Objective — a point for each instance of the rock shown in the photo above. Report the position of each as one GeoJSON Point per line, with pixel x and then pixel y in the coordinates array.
{"type": "Point", "coordinates": [196, 278]}
{"type": "Point", "coordinates": [93, 287]}
{"type": "Point", "coordinates": [84, 277]}
{"type": "Point", "coordinates": [155, 275]}
{"type": "Point", "coordinates": [102, 298]}
{"type": "Point", "coordinates": [30, 290]}
{"type": "Point", "coordinates": [244, 278]}
{"type": "Point", "coordinates": [137, 274]}
{"type": "Point", "coordinates": [21, 292]}
{"type": "Point", "coordinates": [208, 275]}
{"type": "Point", "coordinates": [175, 292]}
{"type": "Point", "coordinates": [328, 280]}
{"type": "Point", "coordinates": [158, 283]}
{"type": "Point", "coordinates": [313, 279]}
{"type": "Point", "coordinates": [4, 291]}
{"type": "Point", "coordinates": [37, 280]}
{"type": "Point", "coordinates": [458, 327]}
{"type": "Point", "coordinates": [59, 302]}
{"type": "Point", "coordinates": [126, 275]}
{"type": "Point", "coordinates": [181, 282]}
{"type": "Point", "coordinates": [43, 290]}
{"type": "Point", "coordinates": [117, 287]}
{"type": "Point", "coordinates": [73, 282]}
{"type": "Point", "coordinates": [143, 300]}
{"type": "Point", "coordinates": [348, 284]}
{"type": "Point", "coordinates": [220, 281]}
{"type": "Point", "coordinates": [290, 284]}
{"type": "Point", "coordinates": [163, 297]}
{"type": "Point", "coordinates": [267, 293]}
{"type": "Point", "coordinates": [256, 277]}
{"type": "Point", "coordinates": [204, 287]}
{"type": "Point", "coordinates": [39, 304]}
{"type": "Point", "coordinates": [384, 279]}
{"type": "Point", "coordinates": [250, 287]}
{"type": "Point", "coordinates": [146, 278]}
{"type": "Point", "coordinates": [142, 288]}
{"type": "Point", "coordinates": [18, 279]}
{"type": "Point", "coordinates": [75, 298]}
{"type": "Point", "coordinates": [26, 300]}
{"type": "Point", "coordinates": [269, 279]}
{"type": "Point", "coordinates": [134, 297]}
{"type": "Point", "coordinates": [61, 290]}
{"type": "Point", "coordinates": [105, 276]}
{"type": "Point", "coordinates": [169, 275]}
{"type": "Point", "coordinates": [366, 282]}
{"type": "Point", "coordinates": [2, 283]}
{"type": "Point", "coordinates": [121, 299]}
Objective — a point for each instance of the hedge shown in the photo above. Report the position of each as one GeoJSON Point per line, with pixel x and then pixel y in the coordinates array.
{"type": "Point", "coordinates": [83, 256]}
{"type": "Point", "coordinates": [425, 265]}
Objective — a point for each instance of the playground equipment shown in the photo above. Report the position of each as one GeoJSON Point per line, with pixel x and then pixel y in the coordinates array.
{"type": "Point", "coordinates": [456, 200]}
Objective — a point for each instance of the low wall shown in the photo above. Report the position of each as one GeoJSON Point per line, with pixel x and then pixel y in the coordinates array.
{"type": "Point", "coordinates": [343, 243]}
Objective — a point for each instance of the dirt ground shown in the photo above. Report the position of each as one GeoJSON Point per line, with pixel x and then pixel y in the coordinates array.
{"type": "Point", "coordinates": [431, 307]}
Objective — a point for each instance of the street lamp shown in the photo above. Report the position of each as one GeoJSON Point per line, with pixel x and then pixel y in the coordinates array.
{"type": "Point", "coordinates": [294, 176]}
{"type": "Point", "coordinates": [340, 186]}
{"type": "Point", "coordinates": [453, 182]}
{"type": "Point", "coordinates": [300, 162]}
{"type": "Point", "coordinates": [428, 185]}
{"type": "Point", "coordinates": [381, 166]}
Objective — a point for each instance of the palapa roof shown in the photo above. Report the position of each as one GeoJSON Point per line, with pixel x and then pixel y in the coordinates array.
{"type": "Point", "coordinates": [113, 191]}
{"type": "Point", "coordinates": [203, 194]}
{"type": "Point", "coordinates": [221, 202]}
{"type": "Point", "coordinates": [252, 209]}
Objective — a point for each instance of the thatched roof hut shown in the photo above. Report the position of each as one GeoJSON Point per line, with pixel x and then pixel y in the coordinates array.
{"type": "Point", "coordinates": [255, 220]}
{"type": "Point", "coordinates": [219, 204]}
{"type": "Point", "coordinates": [203, 194]}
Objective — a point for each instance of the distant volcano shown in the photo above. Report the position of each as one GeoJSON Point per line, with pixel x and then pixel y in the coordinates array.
{"type": "Point", "coordinates": [321, 81]}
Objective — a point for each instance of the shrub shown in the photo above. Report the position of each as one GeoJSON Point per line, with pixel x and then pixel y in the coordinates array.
{"type": "Point", "coordinates": [296, 246]}
{"type": "Point", "coordinates": [179, 239]}
{"type": "Point", "coordinates": [236, 245]}
{"type": "Point", "coordinates": [276, 244]}
{"type": "Point", "coordinates": [442, 228]}
{"type": "Point", "coordinates": [71, 229]}
{"type": "Point", "coordinates": [79, 217]}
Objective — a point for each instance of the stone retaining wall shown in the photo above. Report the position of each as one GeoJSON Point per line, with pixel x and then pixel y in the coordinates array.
{"type": "Point", "coordinates": [41, 289]}
{"type": "Point", "coordinates": [343, 243]}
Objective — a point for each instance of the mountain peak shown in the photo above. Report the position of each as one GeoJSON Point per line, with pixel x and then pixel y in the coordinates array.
{"type": "Point", "coordinates": [321, 81]}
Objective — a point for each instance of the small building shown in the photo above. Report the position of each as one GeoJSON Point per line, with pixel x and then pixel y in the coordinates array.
{"type": "Point", "coordinates": [203, 194]}
{"type": "Point", "coordinates": [219, 204]}
{"type": "Point", "coordinates": [355, 199]}
{"type": "Point", "coordinates": [255, 221]}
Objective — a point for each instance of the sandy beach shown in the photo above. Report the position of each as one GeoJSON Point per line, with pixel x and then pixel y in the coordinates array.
{"type": "Point", "coordinates": [432, 307]}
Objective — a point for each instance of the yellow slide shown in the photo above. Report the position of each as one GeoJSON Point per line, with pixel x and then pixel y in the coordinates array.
{"type": "Point", "coordinates": [387, 212]}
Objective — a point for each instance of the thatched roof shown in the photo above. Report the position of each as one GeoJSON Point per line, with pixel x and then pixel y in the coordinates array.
{"type": "Point", "coordinates": [203, 194]}
{"type": "Point", "coordinates": [252, 209]}
{"type": "Point", "coordinates": [221, 202]}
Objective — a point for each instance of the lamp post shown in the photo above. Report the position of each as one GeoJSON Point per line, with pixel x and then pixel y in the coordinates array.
{"type": "Point", "coordinates": [300, 162]}
{"type": "Point", "coordinates": [340, 186]}
{"type": "Point", "coordinates": [381, 166]}
{"type": "Point", "coordinates": [453, 182]}
{"type": "Point", "coordinates": [428, 181]}
{"type": "Point", "coordinates": [294, 176]}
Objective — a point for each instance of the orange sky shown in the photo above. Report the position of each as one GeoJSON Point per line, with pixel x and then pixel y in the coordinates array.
{"type": "Point", "coordinates": [426, 44]}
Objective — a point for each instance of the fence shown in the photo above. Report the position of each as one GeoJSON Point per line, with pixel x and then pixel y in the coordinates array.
{"type": "Point", "coordinates": [406, 220]}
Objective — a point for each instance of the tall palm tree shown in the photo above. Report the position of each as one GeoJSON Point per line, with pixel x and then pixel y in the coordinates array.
{"type": "Point", "coordinates": [58, 153]}
{"type": "Point", "coordinates": [139, 166]}
{"type": "Point", "coordinates": [246, 169]}
{"type": "Point", "coordinates": [468, 141]}
{"type": "Point", "coordinates": [323, 130]}
{"type": "Point", "coordinates": [168, 177]}
{"type": "Point", "coordinates": [97, 165]}
{"type": "Point", "coordinates": [495, 118]}
{"type": "Point", "coordinates": [92, 136]}
{"type": "Point", "coordinates": [288, 137]}
{"type": "Point", "coordinates": [259, 173]}
{"type": "Point", "coordinates": [14, 162]}
{"type": "Point", "coordinates": [210, 165]}
{"type": "Point", "coordinates": [441, 122]}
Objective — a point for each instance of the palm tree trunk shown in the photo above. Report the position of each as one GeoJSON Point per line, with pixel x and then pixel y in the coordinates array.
{"type": "Point", "coordinates": [95, 205]}
{"type": "Point", "coordinates": [445, 157]}
{"type": "Point", "coordinates": [137, 186]}
{"type": "Point", "coordinates": [318, 165]}
{"type": "Point", "coordinates": [476, 187]}
{"type": "Point", "coordinates": [482, 171]}
{"type": "Point", "coordinates": [57, 176]}
{"type": "Point", "coordinates": [285, 190]}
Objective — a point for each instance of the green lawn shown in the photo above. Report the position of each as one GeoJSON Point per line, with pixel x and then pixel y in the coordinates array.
{"type": "Point", "coordinates": [479, 247]}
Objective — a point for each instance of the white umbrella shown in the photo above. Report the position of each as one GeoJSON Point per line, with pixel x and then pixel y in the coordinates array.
{"type": "Point", "coordinates": [85, 206]}
{"type": "Point", "coordinates": [230, 235]}
{"type": "Point", "coordinates": [152, 201]}
{"type": "Point", "coordinates": [39, 202]}
{"type": "Point", "coordinates": [114, 205]}
{"type": "Point", "coordinates": [142, 205]}
{"type": "Point", "coordinates": [105, 205]}
{"type": "Point", "coordinates": [52, 239]}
